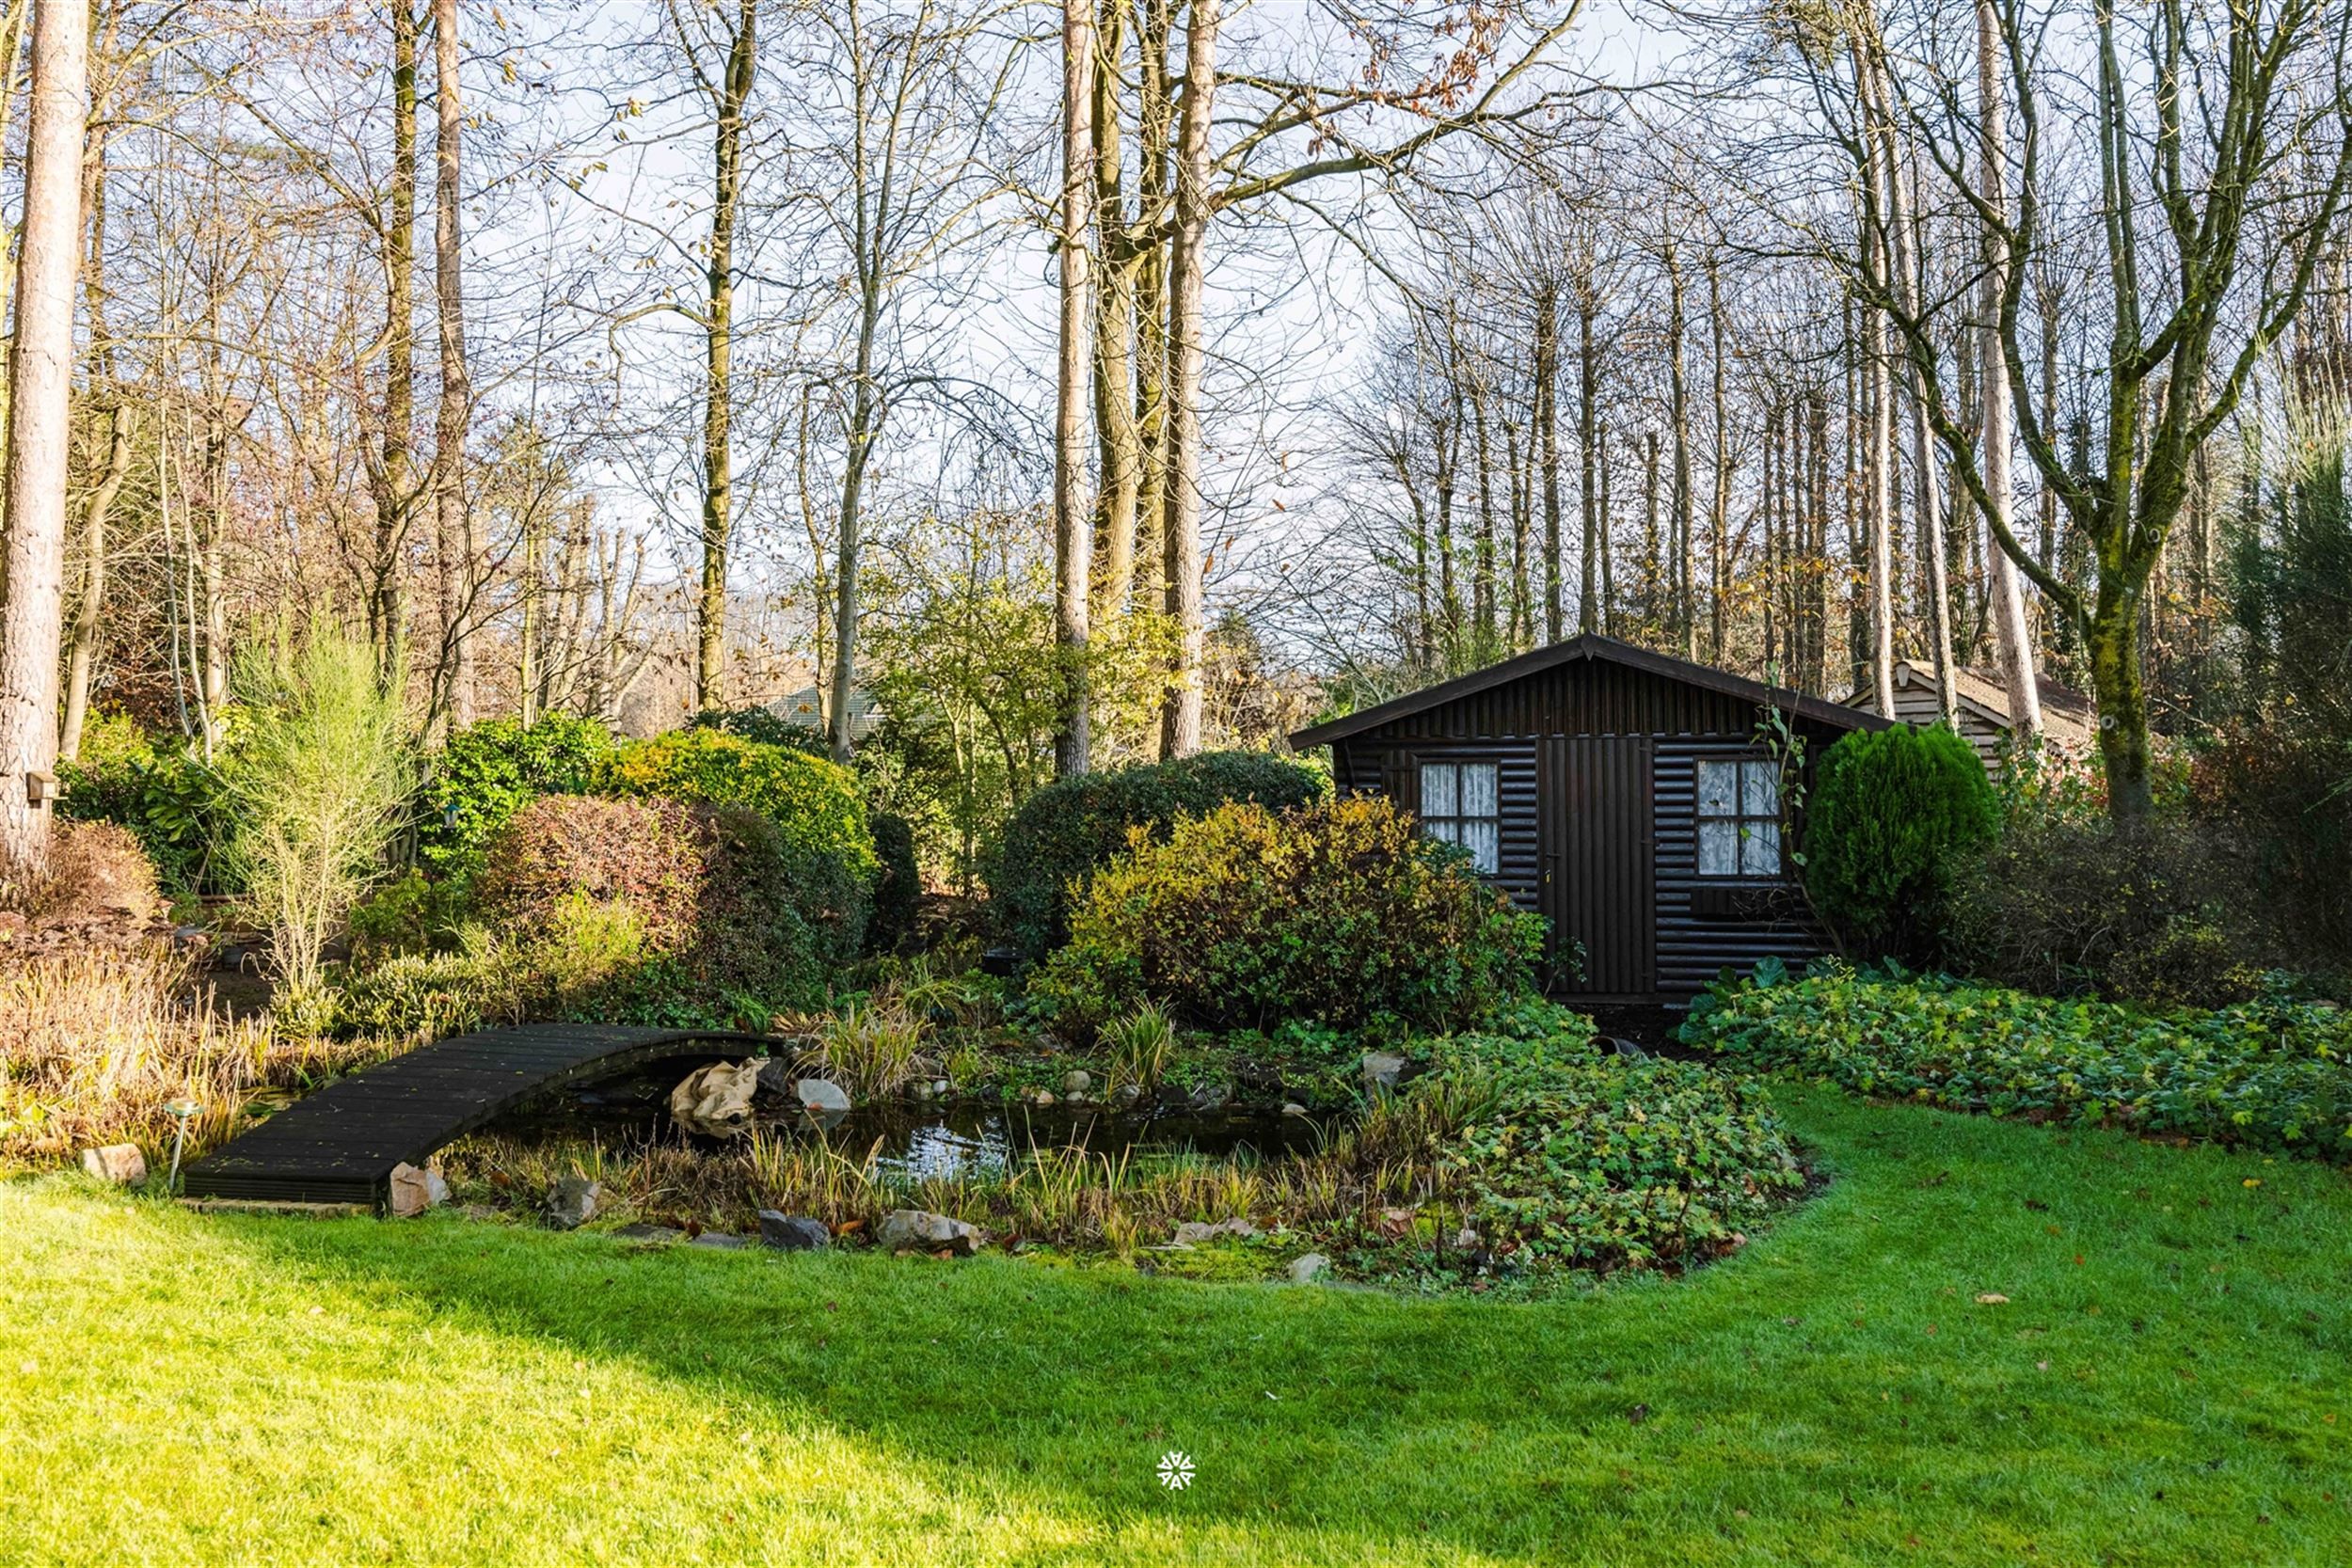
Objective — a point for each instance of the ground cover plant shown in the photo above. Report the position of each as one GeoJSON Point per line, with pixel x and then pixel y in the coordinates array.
{"type": "Point", "coordinates": [1982, 1342]}
{"type": "Point", "coordinates": [2275, 1073]}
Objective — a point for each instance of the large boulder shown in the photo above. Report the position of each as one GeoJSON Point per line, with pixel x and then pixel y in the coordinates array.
{"type": "Point", "coordinates": [918, 1230]}
{"type": "Point", "coordinates": [821, 1096]}
{"type": "Point", "coordinates": [1383, 1070]}
{"type": "Point", "coordinates": [716, 1099]}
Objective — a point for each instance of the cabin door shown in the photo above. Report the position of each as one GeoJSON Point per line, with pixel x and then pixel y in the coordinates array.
{"type": "Point", "coordinates": [1598, 888]}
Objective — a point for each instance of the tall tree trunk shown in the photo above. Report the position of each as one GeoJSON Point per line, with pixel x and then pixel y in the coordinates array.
{"type": "Point", "coordinates": [1073, 536]}
{"type": "Point", "coordinates": [395, 477]}
{"type": "Point", "coordinates": [1653, 583]}
{"type": "Point", "coordinates": [1608, 545]}
{"type": "Point", "coordinates": [1155, 153]}
{"type": "Point", "coordinates": [1770, 482]}
{"type": "Point", "coordinates": [454, 535]}
{"type": "Point", "coordinates": [1683, 623]}
{"type": "Point", "coordinates": [1589, 604]}
{"type": "Point", "coordinates": [41, 387]}
{"type": "Point", "coordinates": [1547, 432]}
{"type": "Point", "coordinates": [1719, 519]}
{"type": "Point", "coordinates": [1927, 492]}
{"type": "Point", "coordinates": [1482, 593]}
{"type": "Point", "coordinates": [2010, 633]}
{"type": "Point", "coordinates": [1180, 721]}
{"type": "Point", "coordinates": [82, 635]}
{"type": "Point", "coordinates": [1118, 432]}
{"type": "Point", "coordinates": [734, 96]}
{"type": "Point", "coordinates": [1878, 450]}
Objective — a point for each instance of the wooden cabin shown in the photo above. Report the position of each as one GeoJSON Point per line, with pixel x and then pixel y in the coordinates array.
{"type": "Point", "coordinates": [1626, 796]}
{"type": "Point", "coordinates": [2068, 718]}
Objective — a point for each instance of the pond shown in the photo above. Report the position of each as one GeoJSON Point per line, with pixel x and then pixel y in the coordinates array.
{"type": "Point", "coordinates": [946, 1139]}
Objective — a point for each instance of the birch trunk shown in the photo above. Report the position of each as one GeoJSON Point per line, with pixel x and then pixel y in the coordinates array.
{"type": "Point", "coordinates": [2011, 635]}
{"type": "Point", "coordinates": [1072, 527]}
{"type": "Point", "coordinates": [1180, 721]}
{"type": "Point", "coordinates": [454, 532]}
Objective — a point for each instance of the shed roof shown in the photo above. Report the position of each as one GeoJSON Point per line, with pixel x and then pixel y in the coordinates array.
{"type": "Point", "coordinates": [1589, 646]}
{"type": "Point", "coordinates": [2065, 712]}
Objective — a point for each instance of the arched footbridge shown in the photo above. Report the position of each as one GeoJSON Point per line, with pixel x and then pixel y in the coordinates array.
{"type": "Point", "coordinates": [341, 1144]}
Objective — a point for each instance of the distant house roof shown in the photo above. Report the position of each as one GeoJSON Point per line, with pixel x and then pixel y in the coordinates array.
{"type": "Point", "coordinates": [2066, 713]}
{"type": "Point", "coordinates": [806, 706]}
{"type": "Point", "coordinates": [1594, 647]}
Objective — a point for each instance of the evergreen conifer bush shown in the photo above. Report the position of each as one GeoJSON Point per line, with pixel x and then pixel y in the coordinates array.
{"type": "Point", "coordinates": [1893, 817]}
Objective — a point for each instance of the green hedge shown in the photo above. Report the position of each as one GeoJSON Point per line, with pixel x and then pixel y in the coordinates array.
{"type": "Point", "coordinates": [1581, 1160]}
{"type": "Point", "coordinates": [490, 771]}
{"type": "Point", "coordinates": [898, 886]}
{"type": "Point", "coordinates": [1338, 911]}
{"type": "Point", "coordinates": [1064, 830]}
{"type": "Point", "coordinates": [1892, 817]}
{"type": "Point", "coordinates": [812, 801]}
{"type": "Point", "coordinates": [2272, 1073]}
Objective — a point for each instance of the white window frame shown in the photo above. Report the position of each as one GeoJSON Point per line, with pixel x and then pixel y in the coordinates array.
{"type": "Point", "coordinates": [1480, 834]}
{"type": "Point", "coordinates": [1760, 855]}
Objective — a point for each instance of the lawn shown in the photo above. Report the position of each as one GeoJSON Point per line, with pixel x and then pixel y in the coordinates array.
{"type": "Point", "coordinates": [2166, 1383]}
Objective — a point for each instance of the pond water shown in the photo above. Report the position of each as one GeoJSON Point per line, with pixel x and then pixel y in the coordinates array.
{"type": "Point", "coordinates": [946, 1139]}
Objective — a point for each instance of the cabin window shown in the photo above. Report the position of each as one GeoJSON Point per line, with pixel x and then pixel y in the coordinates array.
{"type": "Point", "coordinates": [1460, 804]}
{"type": "Point", "coordinates": [1740, 818]}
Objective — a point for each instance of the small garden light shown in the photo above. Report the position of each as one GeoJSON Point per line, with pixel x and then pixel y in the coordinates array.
{"type": "Point", "coordinates": [179, 1110]}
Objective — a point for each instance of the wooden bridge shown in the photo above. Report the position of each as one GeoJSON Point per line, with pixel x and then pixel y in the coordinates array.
{"type": "Point", "coordinates": [339, 1145]}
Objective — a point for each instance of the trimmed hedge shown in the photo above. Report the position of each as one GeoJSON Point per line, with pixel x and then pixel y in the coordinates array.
{"type": "Point", "coordinates": [490, 771]}
{"type": "Point", "coordinates": [1338, 911]}
{"type": "Point", "coordinates": [898, 887]}
{"type": "Point", "coordinates": [1892, 817]}
{"type": "Point", "coordinates": [649, 909]}
{"type": "Point", "coordinates": [1063, 832]}
{"type": "Point", "coordinates": [2272, 1073]}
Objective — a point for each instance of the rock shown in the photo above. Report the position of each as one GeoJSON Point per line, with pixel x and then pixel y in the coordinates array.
{"type": "Point", "coordinates": [572, 1202]}
{"type": "Point", "coordinates": [939, 1086]}
{"type": "Point", "coordinates": [1467, 1239]}
{"type": "Point", "coordinates": [718, 1241]}
{"type": "Point", "coordinates": [1194, 1232]}
{"type": "Point", "coordinates": [1040, 1097]}
{"type": "Point", "coordinates": [716, 1099]}
{"type": "Point", "coordinates": [1126, 1095]}
{"type": "Point", "coordinates": [775, 1078]}
{"type": "Point", "coordinates": [821, 1096]}
{"type": "Point", "coordinates": [1626, 1048]}
{"type": "Point", "coordinates": [1293, 1108]}
{"type": "Point", "coordinates": [1211, 1097]}
{"type": "Point", "coordinates": [1306, 1270]}
{"type": "Point", "coordinates": [120, 1164]}
{"type": "Point", "coordinates": [651, 1235]}
{"type": "Point", "coordinates": [793, 1232]}
{"type": "Point", "coordinates": [918, 1230]}
{"type": "Point", "coordinates": [919, 1090]}
{"type": "Point", "coordinates": [414, 1190]}
{"type": "Point", "coordinates": [1076, 1082]}
{"type": "Point", "coordinates": [1383, 1069]}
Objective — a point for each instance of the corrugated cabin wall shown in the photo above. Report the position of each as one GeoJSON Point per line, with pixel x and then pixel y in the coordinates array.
{"type": "Point", "coordinates": [1506, 724]}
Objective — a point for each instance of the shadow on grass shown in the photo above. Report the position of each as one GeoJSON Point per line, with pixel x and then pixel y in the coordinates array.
{"type": "Point", "coordinates": [1836, 1392]}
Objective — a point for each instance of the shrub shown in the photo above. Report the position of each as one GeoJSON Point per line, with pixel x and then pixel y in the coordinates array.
{"type": "Point", "coordinates": [169, 799]}
{"type": "Point", "coordinates": [97, 871]}
{"type": "Point", "coordinates": [1062, 832]}
{"type": "Point", "coordinates": [627, 909]}
{"type": "Point", "coordinates": [1566, 1158]}
{"type": "Point", "coordinates": [1891, 817]}
{"type": "Point", "coordinates": [1337, 910]}
{"type": "Point", "coordinates": [2163, 915]}
{"type": "Point", "coordinates": [317, 782]}
{"type": "Point", "coordinates": [898, 887]}
{"type": "Point", "coordinates": [2271, 1072]}
{"type": "Point", "coordinates": [765, 727]}
{"type": "Point", "coordinates": [2286, 798]}
{"type": "Point", "coordinates": [490, 771]}
{"type": "Point", "coordinates": [812, 801]}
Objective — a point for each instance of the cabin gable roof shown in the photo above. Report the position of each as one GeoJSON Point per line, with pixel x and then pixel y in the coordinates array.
{"type": "Point", "coordinates": [1589, 647]}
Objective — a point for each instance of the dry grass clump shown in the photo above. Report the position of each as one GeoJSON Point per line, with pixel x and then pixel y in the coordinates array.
{"type": "Point", "coordinates": [95, 1042]}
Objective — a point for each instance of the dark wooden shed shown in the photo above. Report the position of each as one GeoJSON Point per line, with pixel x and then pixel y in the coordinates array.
{"type": "Point", "coordinates": [1627, 795]}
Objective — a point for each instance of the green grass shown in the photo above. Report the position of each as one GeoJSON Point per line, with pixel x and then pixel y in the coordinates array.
{"type": "Point", "coordinates": [2165, 1384]}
